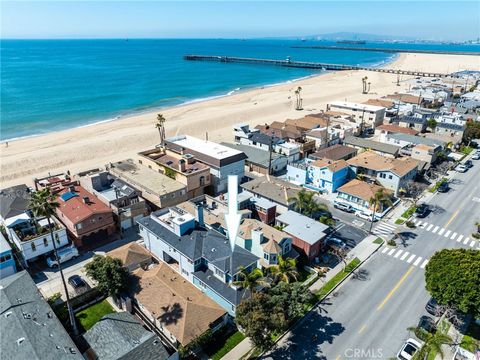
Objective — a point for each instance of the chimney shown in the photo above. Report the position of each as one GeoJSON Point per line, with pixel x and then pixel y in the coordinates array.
{"type": "Point", "coordinates": [72, 188]}
{"type": "Point", "coordinates": [181, 165]}
{"type": "Point", "coordinates": [257, 239]}
{"type": "Point", "coordinates": [199, 215]}
{"type": "Point", "coordinates": [86, 200]}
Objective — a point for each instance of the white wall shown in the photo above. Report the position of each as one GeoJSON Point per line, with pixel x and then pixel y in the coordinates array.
{"type": "Point", "coordinates": [26, 248]}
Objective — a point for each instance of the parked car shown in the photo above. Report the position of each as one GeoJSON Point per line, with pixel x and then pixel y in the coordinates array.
{"type": "Point", "coordinates": [476, 156]}
{"type": "Point", "coordinates": [76, 281]}
{"type": "Point", "coordinates": [409, 348]}
{"type": "Point", "coordinates": [468, 163]}
{"type": "Point", "coordinates": [427, 324]}
{"type": "Point", "coordinates": [64, 254]}
{"type": "Point", "coordinates": [365, 215]}
{"type": "Point", "coordinates": [444, 187]}
{"type": "Point", "coordinates": [461, 168]}
{"type": "Point", "coordinates": [433, 308]}
{"type": "Point", "coordinates": [336, 242]}
{"type": "Point", "coordinates": [343, 206]}
{"type": "Point", "coordinates": [421, 211]}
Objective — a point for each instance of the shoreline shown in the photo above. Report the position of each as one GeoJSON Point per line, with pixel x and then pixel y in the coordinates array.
{"type": "Point", "coordinates": [97, 144]}
{"type": "Point", "coordinates": [133, 113]}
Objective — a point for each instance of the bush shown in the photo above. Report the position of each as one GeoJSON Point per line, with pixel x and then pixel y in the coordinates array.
{"type": "Point", "coordinates": [409, 212]}
{"type": "Point", "coordinates": [476, 236]}
{"type": "Point", "coordinates": [410, 224]}
{"type": "Point", "coordinates": [391, 243]}
{"type": "Point", "coordinates": [399, 221]}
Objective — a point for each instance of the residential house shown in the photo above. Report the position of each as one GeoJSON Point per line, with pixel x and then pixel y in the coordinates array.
{"type": "Point", "coordinates": [222, 160]}
{"type": "Point", "coordinates": [426, 153]}
{"type": "Point", "coordinates": [274, 189]}
{"type": "Point", "coordinates": [451, 124]}
{"type": "Point", "coordinates": [406, 98]}
{"type": "Point", "coordinates": [125, 201]}
{"type": "Point", "coordinates": [265, 142]}
{"type": "Point", "coordinates": [30, 329]}
{"type": "Point", "coordinates": [394, 129]}
{"type": "Point", "coordinates": [89, 221]}
{"type": "Point", "coordinates": [358, 194]}
{"type": "Point", "coordinates": [265, 242]}
{"type": "Point", "coordinates": [30, 234]}
{"type": "Point", "coordinates": [7, 263]}
{"type": "Point", "coordinates": [264, 209]}
{"type": "Point", "coordinates": [259, 160]}
{"type": "Point", "coordinates": [408, 142]}
{"type": "Point", "coordinates": [309, 122]}
{"type": "Point", "coordinates": [416, 122]}
{"type": "Point", "coordinates": [334, 153]}
{"type": "Point", "coordinates": [175, 307]}
{"type": "Point", "coordinates": [202, 256]}
{"type": "Point", "coordinates": [309, 235]}
{"type": "Point", "coordinates": [387, 150]}
{"type": "Point", "coordinates": [368, 116]}
{"type": "Point", "coordinates": [121, 336]}
{"type": "Point", "coordinates": [392, 174]}
{"type": "Point", "coordinates": [319, 175]}
{"type": "Point", "coordinates": [132, 256]}
{"type": "Point", "coordinates": [183, 168]}
{"type": "Point", "coordinates": [157, 188]}
{"type": "Point", "coordinates": [324, 137]}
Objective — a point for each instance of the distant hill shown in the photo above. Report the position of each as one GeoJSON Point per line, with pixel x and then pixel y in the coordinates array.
{"type": "Point", "coordinates": [352, 36]}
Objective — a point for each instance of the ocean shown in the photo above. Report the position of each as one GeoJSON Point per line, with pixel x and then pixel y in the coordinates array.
{"type": "Point", "coordinates": [49, 85]}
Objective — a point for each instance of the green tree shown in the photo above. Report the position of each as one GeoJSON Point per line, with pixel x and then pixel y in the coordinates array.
{"type": "Point", "coordinates": [305, 203]}
{"type": "Point", "coordinates": [109, 273]}
{"type": "Point", "coordinates": [250, 280]}
{"type": "Point", "coordinates": [472, 131]}
{"type": "Point", "coordinates": [43, 204]}
{"type": "Point", "coordinates": [292, 298]}
{"type": "Point", "coordinates": [285, 271]}
{"type": "Point", "coordinates": [160, 126]}
{"type": "Point", "coordinates": [452, 277]}
{"type": "Point", "coordinates": [432, 124]}
{"type": "Point", "coordinates": [259, 320]}
{"type": "Point", "coordinates": [380, 199]}
{"type": "Point", "coordinates": [432, 343]}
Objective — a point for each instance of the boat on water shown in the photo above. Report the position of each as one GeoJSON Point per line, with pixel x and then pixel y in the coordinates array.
{"type": "Point", "coordinates": [352, 42]}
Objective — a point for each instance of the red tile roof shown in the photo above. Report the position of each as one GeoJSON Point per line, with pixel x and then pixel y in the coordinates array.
{"type": "Point", "coordinates": [75, 208]}
{"type": "Point", "coordinates": [397, 129]}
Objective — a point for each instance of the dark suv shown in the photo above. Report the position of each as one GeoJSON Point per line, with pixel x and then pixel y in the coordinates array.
{"type": "Point", "coordinates": [443, 188]}
{"type": "Point", "coordinates": [421, 211]}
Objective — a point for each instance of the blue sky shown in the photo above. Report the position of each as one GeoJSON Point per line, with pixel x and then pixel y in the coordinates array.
{"type": "Point", "coordinates": [439, 20]}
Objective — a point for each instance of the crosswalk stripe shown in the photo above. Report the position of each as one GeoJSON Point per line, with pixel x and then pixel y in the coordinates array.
{"type": "Point", "coordinates": [384, 250]}
{"type": "Point", "coordinates": [391, 252]}
{"type": "Point", "coordinates": [404, 255]}
{"type": "Point", "coordinates": [442, 230]}
{"type": "Point", "coordinates": [411, 258]}
{"type": "Point", "coordinates": [460, 237]}
{"type": "Point", "coordinates": [424, 225]}
{"type": "Point", "coordinates": [417, 261]}
{"type": "Point", "coordinates": [424, 264]}
{"type": "Point", "coordinates": [453, 236]}
{"type": "Point", "coordinates": [447, 233]}
{"type": "Point", "coordinates": [436, 229]}
{"type": "Point", "coordinates": [398, 253]}
{"type": "Point", "coordinates": [429, 227]}
{"type": "Point", "coordinates": [466, 240]}
{"type": "Point", "coordinates": [472, 243]}
{"type": "Point", "coordinates": [418, 223]}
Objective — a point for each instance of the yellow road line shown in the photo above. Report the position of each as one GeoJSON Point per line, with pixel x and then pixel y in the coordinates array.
{"type": "Point", "coordinates": [451, 219]}
{"type": "Point", "coordinates": [338, 357]}
{"type": "Point", "coordinates": [390, 294]}
{"type": "Point", "coordinates": [362, 329]}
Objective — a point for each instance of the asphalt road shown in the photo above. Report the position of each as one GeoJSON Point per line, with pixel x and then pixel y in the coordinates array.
{"type": "Point", "coordinates": [368, 317]}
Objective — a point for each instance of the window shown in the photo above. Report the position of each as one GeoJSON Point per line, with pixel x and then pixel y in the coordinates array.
{"type": "Point", "coordinates": [45, 241]}
{"type": "Point", "coordinates": [254, 143]}
{"type": "Point", "coordinates": [202, 180]}
{"type": "Point", "coordinates": [34, 248]}
{"type": "Point", "coordinates": [390, 176]}
{"type": "Point", "coordinates": [265, 256]}
{"type": "Point", "coordinates": [57, 239]}
{"type": "Point", "coordinates": [5, 258]}
{"type": "Point", "coordinates": [184, 272]}
{"type": "Point", "coordinates": [78, 226]}
{"type": "Point", "coordinates": [218, 272]}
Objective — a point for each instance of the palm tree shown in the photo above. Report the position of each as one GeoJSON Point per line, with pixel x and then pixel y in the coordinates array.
{"type": "Point", "coordinates": [160, 125]}
{"type": "Point", "coordinates": [43, 204]}
{"type": "Point", "coordinates": [305, 203]}
{"type": "Point", "coordinates": [298, 105]}
{"type": "Point", "coordinates": [432, 343]}
{"type": "Point", "coordinates": [250, 280]}
{"type": "Point", "coordinates": [285, 270]}
{"type": "Point", "coordinates": [378, 201]}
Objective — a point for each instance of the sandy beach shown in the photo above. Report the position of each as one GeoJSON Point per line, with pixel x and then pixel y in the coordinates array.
{"type": "Point", "coordinates": [94, 146]}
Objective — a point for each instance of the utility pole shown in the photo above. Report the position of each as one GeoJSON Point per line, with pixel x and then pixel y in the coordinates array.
{"type": "Point", "coordinates": [362, 123]}
{"type": "Point", "coordinates": [119, 213]}
{"type": "Point", "coordinates": [270, 155]}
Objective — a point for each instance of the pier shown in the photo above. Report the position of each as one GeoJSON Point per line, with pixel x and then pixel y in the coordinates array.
{"type": "Point", "coordinates": [311, 65]}
{"type": "Point", "coordinates": [391, 51]}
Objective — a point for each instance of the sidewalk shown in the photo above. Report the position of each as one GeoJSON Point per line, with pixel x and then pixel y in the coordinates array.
{"type": "Point", "coordinates": [239, 351]}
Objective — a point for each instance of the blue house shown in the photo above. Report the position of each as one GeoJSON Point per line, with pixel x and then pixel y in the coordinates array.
{"type": "Point", "coordinates": [202, 256]}
{"type": "Point", "coordinates": [321, 175]}
{"type": "Point", "coordinates": [7, 264]}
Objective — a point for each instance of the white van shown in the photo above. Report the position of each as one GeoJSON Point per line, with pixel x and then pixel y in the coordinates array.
{"type": "Point", "coordinates": [342, 206]}
{"type": "Point", "coordinates": [64, 254]}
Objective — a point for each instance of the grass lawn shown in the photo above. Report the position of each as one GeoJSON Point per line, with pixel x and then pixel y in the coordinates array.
{"type": "Point", "coordinates": [378, 240]}
{"type": "Point", "coordinates": [471, 339]}
{"type": "Point", "coordinates": [399, 221]}
{"type": "Point", "coordinates": [410, 211]}
{"type": "Point", "coordinates": [329, 285]}
{"type": "Point", "coordinates": [89, 316]}
{"type": "Point", "coordinates": [466, 150]}
{"type": "Point", "coordinates": [227, 344]}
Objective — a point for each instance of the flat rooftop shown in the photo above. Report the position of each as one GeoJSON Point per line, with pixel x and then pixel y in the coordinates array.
{"type": "Point", "coordinates": [206, 147]}
{"type": "Point", "coordinates": [357, 106]}
{"type": "Point", "coordinates": [142, 176]}
{"type": "Point", "coordinates": [160, 157]}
